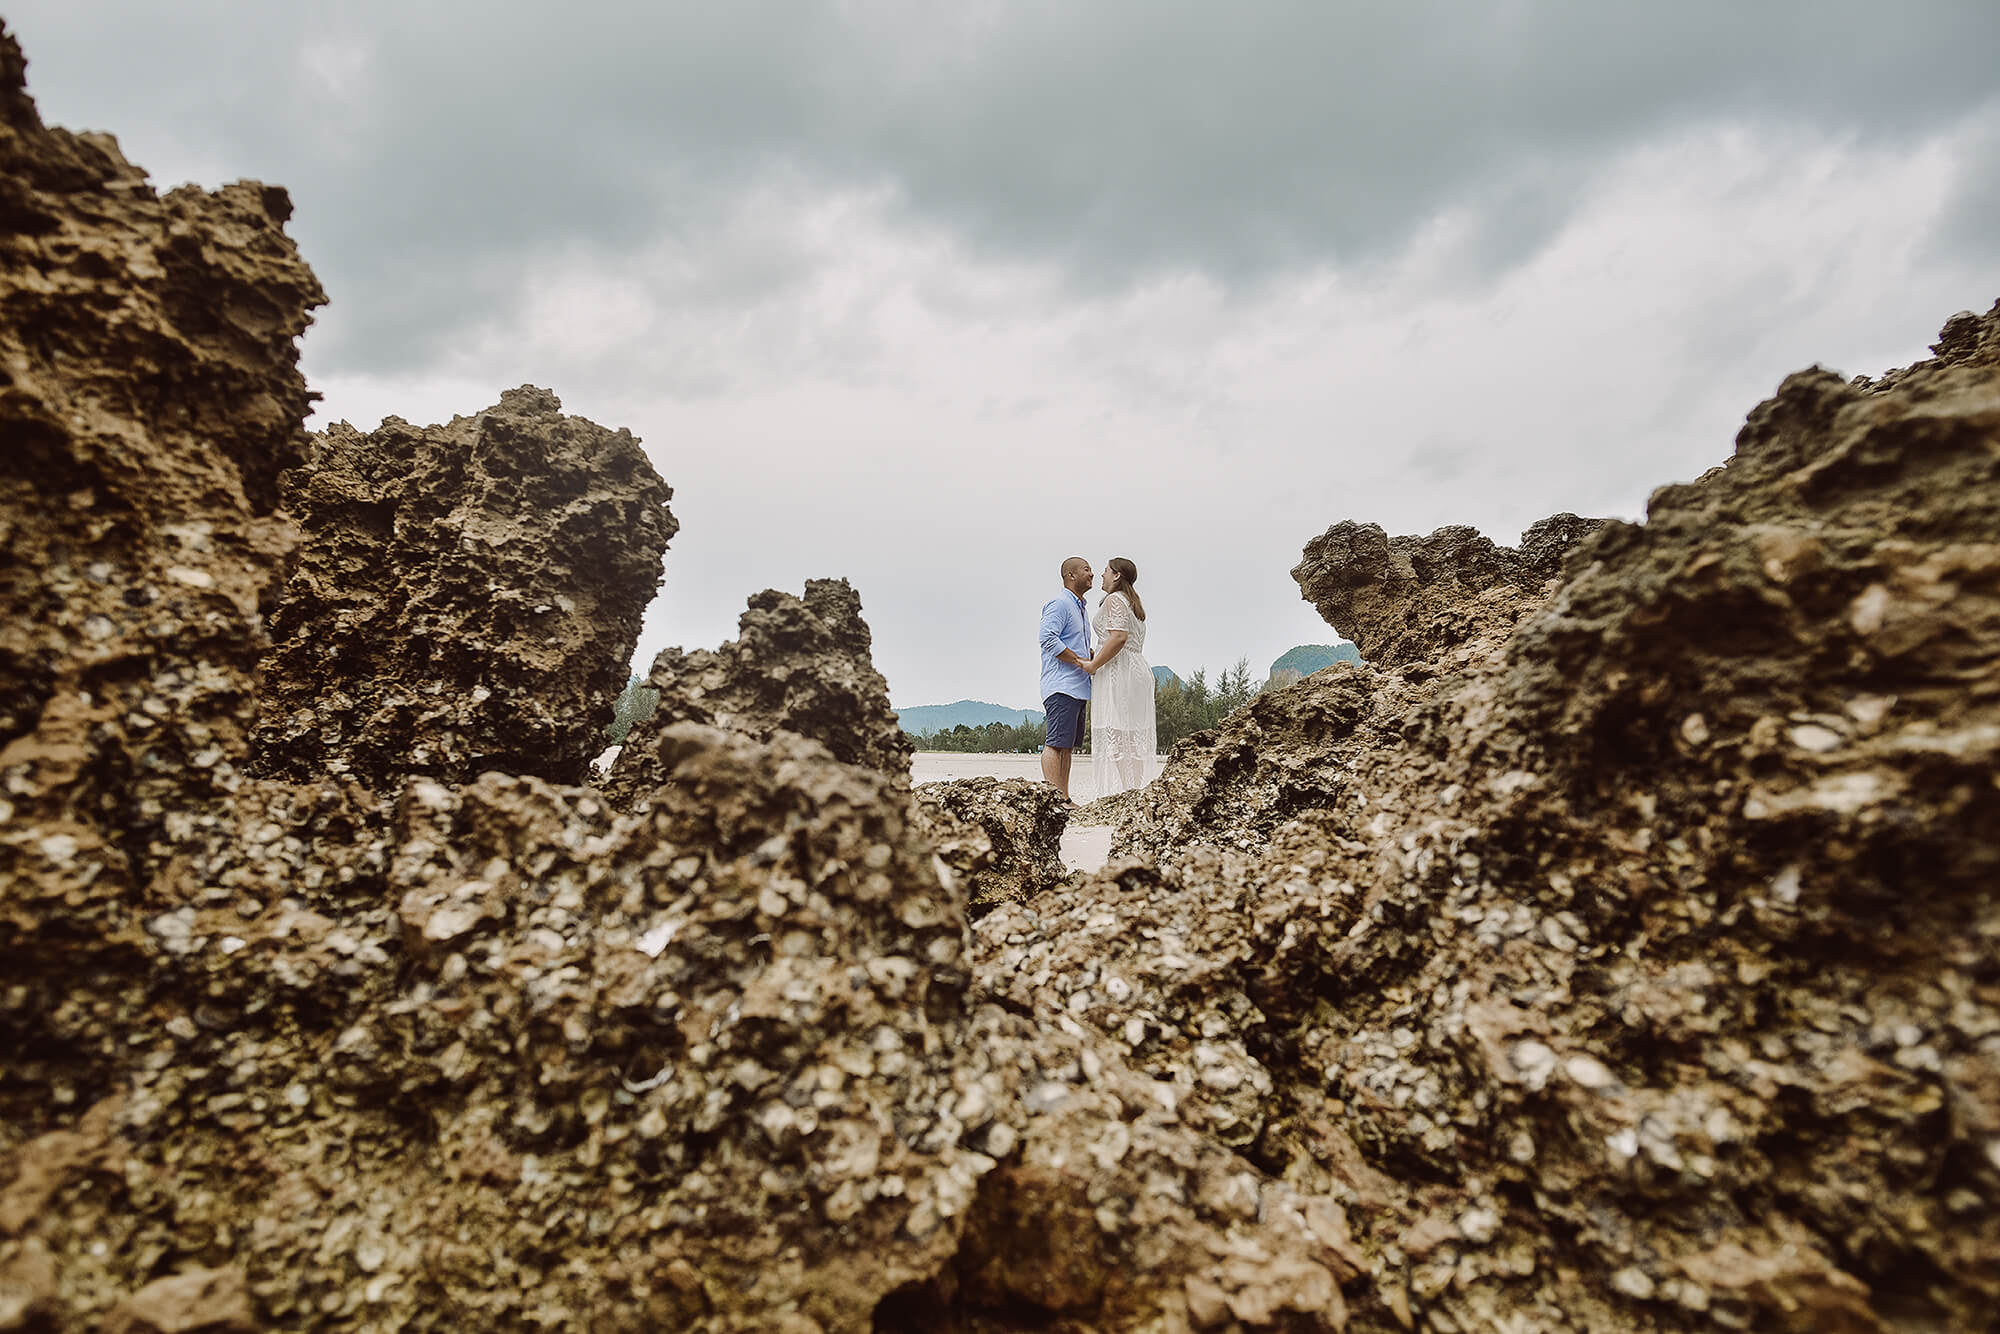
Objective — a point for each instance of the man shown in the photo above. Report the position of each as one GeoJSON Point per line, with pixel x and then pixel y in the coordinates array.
{"type": "Point", "coordinates": [1065, 672]}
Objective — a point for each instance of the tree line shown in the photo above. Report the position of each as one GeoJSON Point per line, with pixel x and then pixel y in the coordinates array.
{"type": "Point", "coordinates": [1180, 709]}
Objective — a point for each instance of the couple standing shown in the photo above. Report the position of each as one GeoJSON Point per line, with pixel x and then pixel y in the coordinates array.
{"type": "Point", "coordinates": [1114, 679]}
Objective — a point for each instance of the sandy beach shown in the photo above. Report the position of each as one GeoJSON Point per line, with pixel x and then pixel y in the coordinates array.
{"type": "Point", "coordinates": [932, 766]}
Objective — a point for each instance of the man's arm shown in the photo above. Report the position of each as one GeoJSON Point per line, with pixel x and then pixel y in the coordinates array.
{"type": "Point", "coordinates": [1053, 616]}
{"type": "Point", "coordinates": [1058, 611]}
{"type": "Point", "coordinates": [1052, 624]}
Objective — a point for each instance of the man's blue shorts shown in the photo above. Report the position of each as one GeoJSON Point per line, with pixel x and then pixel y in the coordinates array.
{"type": "Point", "coordinates": [1063, 716]}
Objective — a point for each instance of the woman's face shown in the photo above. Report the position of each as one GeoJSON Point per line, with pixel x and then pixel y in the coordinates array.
{"type": "Point", "coordinates": [1109, 581]}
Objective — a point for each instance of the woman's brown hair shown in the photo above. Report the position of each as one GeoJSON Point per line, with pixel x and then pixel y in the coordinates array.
{"type": "Point", "coordinates": [1128, 575]}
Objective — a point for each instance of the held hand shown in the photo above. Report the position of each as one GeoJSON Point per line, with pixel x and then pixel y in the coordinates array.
{"type": "Point", "coordinates": [1089, 667]}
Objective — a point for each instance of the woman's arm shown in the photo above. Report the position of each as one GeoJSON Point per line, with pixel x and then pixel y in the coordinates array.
{"type": "Point", "coordinates": [1114, 643]}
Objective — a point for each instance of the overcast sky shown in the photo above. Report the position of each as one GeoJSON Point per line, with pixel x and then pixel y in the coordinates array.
{"type": "Point", "coordinates": [932, 295]}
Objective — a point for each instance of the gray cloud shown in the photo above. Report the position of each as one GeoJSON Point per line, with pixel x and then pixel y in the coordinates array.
{"type": "Point", "coordinates": [435, 153]}
{"type": "Point", "coordinates": [931, 296]}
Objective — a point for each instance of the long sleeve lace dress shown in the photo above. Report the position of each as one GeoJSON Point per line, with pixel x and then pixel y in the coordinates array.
{"type": "Point", "coordinates": [1123, 735]}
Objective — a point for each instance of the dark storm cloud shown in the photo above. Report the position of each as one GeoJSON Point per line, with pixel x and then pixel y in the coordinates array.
{"type": "Point", "coordinates": [436, 150]}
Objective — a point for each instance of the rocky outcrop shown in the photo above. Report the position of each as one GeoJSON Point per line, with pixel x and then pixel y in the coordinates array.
{"type": "Point", "coordinates": [1001, 838]}
{"type": "Point", "coordinates": [1615, 955]}
{"type": "Point", "coordinates": [1630, 967]}
{"type": "Point", "coordinates": [799, 667]}
{"type": "Point", "coordinates": [466, 596]}
{"type": "Point", "coordinates": [1410, 599]}
{"type": "Point", "coordinates": [149, 399]}
{"type": "Point", "coordinates": [689, 1041]}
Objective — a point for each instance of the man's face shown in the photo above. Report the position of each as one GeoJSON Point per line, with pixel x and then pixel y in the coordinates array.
{"type": "Point", "coordinates": [1078, 581]}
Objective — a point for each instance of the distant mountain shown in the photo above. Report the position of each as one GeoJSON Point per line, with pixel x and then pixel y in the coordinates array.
{"type": "Point", "coordinates": [1309, 658]}
{"type": "Point", "coordinates": [1164, 675]}
{"type": "Point", "coordinates": [970, 712]}
{"type": "Point", "coordinates": [1297, 663]}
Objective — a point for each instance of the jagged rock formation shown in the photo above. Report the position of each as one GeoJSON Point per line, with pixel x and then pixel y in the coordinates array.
{"type": "Point", "coordinates": [1001, 838]}
{"type": "Point", "coordinates": [149, 397]}
{"type": "Point", "coordinates": [799, 667]}
{"type": "Point", "coordinates": [1410, 599]}
{"type": "Point", "coordinates": [1631, 967]}
{"type": "Point", "coordinates": [1283, 756]}
{"type": "Point", "coordinates": [466, 596]}
{"type": "Point", "coordinates": [1626, 963]}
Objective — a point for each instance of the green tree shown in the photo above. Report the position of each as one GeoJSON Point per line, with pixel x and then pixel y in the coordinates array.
{"type": "Point", "coordinates": [1193, 705]}
{"type": "Point", "coordinates": [1180, 709]}
{"type": "Point", "coordinates": [989, 738]}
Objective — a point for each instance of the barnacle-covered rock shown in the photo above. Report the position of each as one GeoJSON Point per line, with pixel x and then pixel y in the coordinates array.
{"type": "Point", "coordinates": [723, 1050]}
{"type": "Point", "coordinates": [1407, 599]}
{"type": "Point", "coordinates": [150, 398]}
{"type": "Point", "coordinates": [1111, 1210]}
{"type": "Point", "coordinates": [466, 598]}
{"type": "Point", "coordinates": [799, 666]}
{"type": "Point", "coordinates": [1001, 837]}
{"type": "Point", "coordinates": [1628, 963]}
{"type": "Point", "coordinates": [1283, 755]}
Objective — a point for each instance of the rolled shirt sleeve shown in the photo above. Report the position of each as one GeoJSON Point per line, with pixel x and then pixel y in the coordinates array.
{"type": "Point", "coordinates": [1064, 627]}
{"type": "Point", "coordinates": [1052, 628]}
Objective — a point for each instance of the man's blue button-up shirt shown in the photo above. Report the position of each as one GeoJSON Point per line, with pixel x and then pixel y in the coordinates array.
{"type": "Point", "coordinates": [1064, 626]}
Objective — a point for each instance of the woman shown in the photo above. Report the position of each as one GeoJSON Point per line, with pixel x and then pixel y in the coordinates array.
{"type": "Point", "coordinates": [1122, 734]}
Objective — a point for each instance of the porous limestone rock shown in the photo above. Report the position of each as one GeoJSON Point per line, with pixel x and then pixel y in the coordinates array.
{"type": "Point", "coordinates": [1109, 1210]}
{"type": "Point", "coordinates": [466, 597]}
{"type": "Point", "coordinates": [149, 398]}
{"type": "Point", "coordinates": [1634, 967]}
{"type": "Point", "coordinates": [687, 1070]}
{"type": "Point", "coordinates": [799, 666]}
{"type": "Point", "coordinates": [1000, 837]}
{"type": "Point", "coordinates": [1408, 599]}
{"type": "Point", "coordinates": [1613, 955]}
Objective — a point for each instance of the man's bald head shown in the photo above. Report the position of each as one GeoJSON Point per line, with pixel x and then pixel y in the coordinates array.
{"type": "Point", "coordinates": [1076, 575]}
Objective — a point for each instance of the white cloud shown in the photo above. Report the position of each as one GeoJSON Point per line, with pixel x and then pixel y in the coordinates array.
{"type": "Point", "coordinates": [847, 390]}
{"type": "Point", "coordinates": [931, 296]}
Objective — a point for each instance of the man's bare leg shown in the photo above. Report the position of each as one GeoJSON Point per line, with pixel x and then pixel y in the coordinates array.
{"type": "Point", "coordinates": [1055, 769]}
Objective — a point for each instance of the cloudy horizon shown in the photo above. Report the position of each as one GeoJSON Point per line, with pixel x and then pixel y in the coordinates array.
{"type": "Point", "coordinates": [932, 297]}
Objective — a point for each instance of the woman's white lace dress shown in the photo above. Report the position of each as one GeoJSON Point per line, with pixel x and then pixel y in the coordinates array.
{"type": "Point", "coordinates": [1122, 732]}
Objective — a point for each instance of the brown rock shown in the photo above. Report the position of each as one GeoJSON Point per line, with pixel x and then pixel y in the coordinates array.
{"type": "Point", "coordinates": [1576, 915]}
{"type": "Point", "coordinates": [28, 1286]}
{"type": "Point", "coordinates": [150, 397]}
{"type": "Point", "coordinates": [1001, 838]}
{"type": "Point", "coordinates": [799, 667]}
{"type": "Point", "coordinates": [1409, 599]}
{"type": "Point", "coordinates": [200, 1301]}
{"type": "Point", "coordinates": [724, 1048]}
{"type": "Point", "coordinates": [466, 596]}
